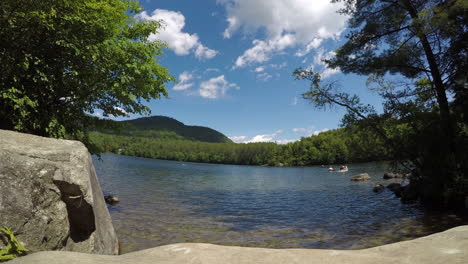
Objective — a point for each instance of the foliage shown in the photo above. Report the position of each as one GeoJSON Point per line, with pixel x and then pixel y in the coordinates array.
{"type": "Point", "coordinates": [13, 248]}
{"type": "Point", "coordinates": [161, 126]}
{"type": "Point", "coordinates": [336, 146]}
{"type": "Point", "coordinates": [415, 54]}
{"type": "Point", "coordinates": [62, 59]}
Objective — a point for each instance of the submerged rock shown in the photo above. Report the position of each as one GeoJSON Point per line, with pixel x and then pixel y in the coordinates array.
{"type": "Point", "coordinates": [50, 196]}
{"type": "Point", "coordinates": [378, 188]}
{"type": "Point", "coordinates": [361, 177]}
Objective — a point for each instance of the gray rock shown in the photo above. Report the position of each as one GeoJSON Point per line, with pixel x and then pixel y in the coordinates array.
{"type": "Point", "coordinates": [378, 188]}
{"type": "Point", "coordinates": [396, 188]}
{"type": "Point", "coordinates": [50, 196]}
{"type": "Point", "coordinates": [391, 175]}
{"type": "Point", "coordinates": [361, 177]}
{"type": "Point", "coordinates": [110, 199]}
{"type": "Point", "coordinates": [409, 194]}
{"type": "Point", "coordinates": [445, 247]}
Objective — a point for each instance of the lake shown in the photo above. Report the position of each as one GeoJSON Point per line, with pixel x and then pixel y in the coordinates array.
{"type": "Point", "coordinates": [165, 202]}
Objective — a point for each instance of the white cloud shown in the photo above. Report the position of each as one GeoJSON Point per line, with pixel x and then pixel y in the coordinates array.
{"type": "Point", "coordinates": [238, 139]}
{"type": "Point", "coordinates": [180, 42]}
{"type": "Point", "coordinates": [204, 52]}
{"type": "Point", "coordinates": [312, 45]}
{"type": "Point", "coordinates": [285, 141]}
{"type": "Point", "coordinates": [315, 133]}
{"type": "Point", "coordinates": [263, 50]}
{"type": "Point", "coordinates": [215, 87]}
{"type": "Point", "coordinates": [264, 76]}
{"type": "Point", "coordinates": [306, 24]}
{"type": "Point", "coordinates": [257, 138]}
{"type": "Point", "coordinates": [265, 138]}
{"type": "Point", "coordinates": [121, 110]}
{"type": "Point", "coordinates": [309, 131]}
{"type": "Point", "coordinates": [259, 69]}
{"type": "Point", "coordinates": [184, 81]}
{"type": "Point", "coordinates": [318, 61]}
{"type": "Point", "coordinates": [278, 66]}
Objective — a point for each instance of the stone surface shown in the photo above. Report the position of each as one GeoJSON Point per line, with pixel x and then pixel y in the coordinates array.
{"type": "Point", "coordinates": [409, 193]}
{"type": "Point", "coordinates": [50, 196]}
{"type": "Point", "coordinates": [391, 175]}
{"type": "Point", "coordinates": [378, 188]}
{"type": "Point", "coordinates": [361, 177]}
{"type": "Point", "coordinates": [446, 247]}
{"type": "Point", "coordinates": [393, 186]}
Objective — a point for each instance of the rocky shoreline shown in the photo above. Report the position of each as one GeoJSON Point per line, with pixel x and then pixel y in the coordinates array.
{"type": "Point", "coordinates": [51, 198]}
{"type": "Point", "coordinates": [445, 247]}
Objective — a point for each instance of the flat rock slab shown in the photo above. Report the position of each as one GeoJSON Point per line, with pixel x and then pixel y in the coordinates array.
{"type": "Point", "coordinates": [447, 247]}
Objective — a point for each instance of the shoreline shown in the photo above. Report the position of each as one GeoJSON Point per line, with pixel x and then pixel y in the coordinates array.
{"type": "Point", "coordinates": [444, 247]}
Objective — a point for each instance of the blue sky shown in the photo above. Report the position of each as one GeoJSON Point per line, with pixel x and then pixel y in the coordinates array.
{"type": "Point", "coordinates": [234, 61]}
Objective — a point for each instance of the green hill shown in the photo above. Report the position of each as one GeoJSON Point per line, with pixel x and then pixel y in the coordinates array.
{"type": "Point", "coordinates": [170, 128]}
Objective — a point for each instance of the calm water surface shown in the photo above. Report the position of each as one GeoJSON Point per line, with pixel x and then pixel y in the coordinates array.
{"type": "Point", "coordinates": [164, 202]}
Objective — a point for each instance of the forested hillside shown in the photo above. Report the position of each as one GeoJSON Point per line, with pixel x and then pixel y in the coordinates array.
{"type": "Point", "coordinates": [162, 127]}
{"type": "Point", "coordinates": [336, 146]}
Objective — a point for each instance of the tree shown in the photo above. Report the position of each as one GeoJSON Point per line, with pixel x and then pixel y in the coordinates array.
{"type": "Point", "coordinates": [64, 59]}
{"type": "Point", "coordinates": [424, 45]}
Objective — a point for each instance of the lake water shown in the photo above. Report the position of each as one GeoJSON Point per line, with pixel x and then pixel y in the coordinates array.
{"type": "Point", "coordinates": [165, 202]}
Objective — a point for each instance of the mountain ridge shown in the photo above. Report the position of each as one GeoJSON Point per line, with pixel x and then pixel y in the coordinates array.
{"type": "Point", "coordinates": [168, 127]}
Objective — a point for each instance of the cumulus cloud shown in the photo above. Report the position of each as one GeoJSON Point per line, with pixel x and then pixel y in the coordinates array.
{"type": "Point", "coordinates": [184, 81]}
{"type": "Point", "coordinates": [265, 138]}
{"type": "Point", "coordinates": [263, 50]}
{"type": "Point", "coordinates": [318, 61]}
{"type": "Point", "coordinates": [303, 24]}
{"type": "Point", "coordinates": [259, 69]}
{"type": "Point", "coordinates": [261, 138]}
{"type": "Point", "coordinates": [121, 110]}
{"type": "Point", "coordinates": [285, 141]}
{"type": "Point", "coordinates": [315, 133]}
{"type": "Point", "coordinates": [171, 33]}
{"type": "Point", "coordinates": [238, 139]}
{"type": "Point", "coordinates": [215, 87]}
{"type": "Point", "coordinates": [312, 45]}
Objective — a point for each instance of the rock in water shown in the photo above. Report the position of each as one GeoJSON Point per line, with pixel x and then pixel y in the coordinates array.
{"type": "Point", "coordinates": [396, 188]}
{"type": "Point", "coordinates": [50, 196]}
{"type": "Point", "coordinates": [361, 177]}
{"type": "Point", "coordinates": [110, 199]}
{"type": "Point", "coordinates": [378, 188]}
{"type": "Point", "coordinates": [391, 175]}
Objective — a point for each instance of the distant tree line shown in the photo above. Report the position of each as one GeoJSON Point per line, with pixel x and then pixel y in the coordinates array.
{"type": "Point", "coordinates": [331, 147]}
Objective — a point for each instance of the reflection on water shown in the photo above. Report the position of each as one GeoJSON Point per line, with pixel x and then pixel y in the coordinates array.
{"type": "Point", "coordinates": [164, 202]}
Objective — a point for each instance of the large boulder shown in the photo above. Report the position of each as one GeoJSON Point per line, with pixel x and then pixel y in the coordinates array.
{"type": "Point", "coordinates": [50, 196]}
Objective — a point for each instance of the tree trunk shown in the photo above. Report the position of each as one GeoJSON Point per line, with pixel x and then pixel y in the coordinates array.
{"type": "Point", "coordinates": [439, 86]}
